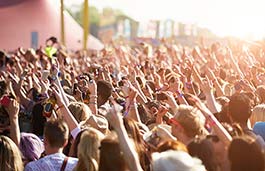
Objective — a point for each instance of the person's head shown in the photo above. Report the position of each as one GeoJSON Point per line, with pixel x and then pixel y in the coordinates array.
{"type": "Point", "coordinates": [80, 111]}
{"type": "Point", "coordinates": [239, 108]}
{"type": "Point", "coordinates": [245, 154]}
{"type": "Point", "coordinates": [111, 157]}
{"type": "Point", "coordinates": [55, 135]}
{"type": "Point", "coordinates": [104, 90]}
{"type": "Point", "coordinates": [3, 87]}
{"type": "Point", "coordinates": [258, 114]}
{"type": "Point", "coordinates": [2, 58]}
{"type": "Point", "coordinates": [38, 120]}
{"type": "Point", "coordinates": [172, 145]}
{"type": "Point", "coordinates": [33, 94]}
{"type": "Point", "coordinates": [259, 129]}
{"type": "Point", "coordinates": [203, 149]}
{"type": "Point", "coordinates": [223, 116]}
{"type": "Point", "coordinates": [98, 122]}
{"type": "Point", "coordinates": [88, 150]}
{"type": "Point", "coordinates": [30, 146]}
{"type": "Point", "coordinates": [177, 161]}
{"type": "Point", "coordinates": [187, 123]}
{"type": "Point", "coordinates": [10, 158]}
{"type": "Point", "coordinates": [260, 91]}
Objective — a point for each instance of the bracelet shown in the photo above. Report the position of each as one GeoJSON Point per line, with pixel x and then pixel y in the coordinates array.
{"type": "Point", "coordinates": [59, 107]}
{"type": "Point", "coordinates": [92, 103]}
{"type": "Point", "coordinates": [179, 94]}
{"type": "Point", "coordinates": [210, 121]}
{"type": "Point", "coordinates": [22, 78]}
{"type": "Point", "coordinates": [92, 95]}
{"type": "Point", "coordinates": [214, 81]}
{"type": "Point", "coordinates": [133, 105]}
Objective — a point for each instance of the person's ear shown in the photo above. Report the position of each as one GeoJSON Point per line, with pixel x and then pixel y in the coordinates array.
{"type": "Point", "coordinates": [65, 143]}
{"type": "Point", "coordinates": [45, 142]}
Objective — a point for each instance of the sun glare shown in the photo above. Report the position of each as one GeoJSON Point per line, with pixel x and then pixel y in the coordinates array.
{"type": "Point", "coordinates": [240, 18]}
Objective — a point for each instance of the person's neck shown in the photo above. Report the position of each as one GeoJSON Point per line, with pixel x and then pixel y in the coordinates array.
{"type": "Point", "coordinates": [186, 140]}
{"type": "Point", "coordinates": [49, 151]}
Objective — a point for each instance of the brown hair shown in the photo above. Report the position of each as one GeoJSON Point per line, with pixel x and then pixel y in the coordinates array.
{"type": "Point", "coordinates": [172, 145]}
{"type": "Point", "coordinates": [111, 157]}
{"type": "Point", "coordinates": [56, 132]}
{"type": "Point", "coordinates": [245, 155]}
{"type": "Point", "coordinates": [134, 132]}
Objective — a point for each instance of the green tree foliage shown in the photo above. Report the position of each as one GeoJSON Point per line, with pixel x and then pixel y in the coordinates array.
{"type": "Point", "coordinates": [94, 15]}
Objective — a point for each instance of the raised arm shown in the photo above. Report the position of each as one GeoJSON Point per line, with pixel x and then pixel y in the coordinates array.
{"type": "Point", "coordinates": [130, 155]}
{"type": "Point", "coordinates": [64, 111]}
{"type": "Point", "coordinates": [216, 125]}
{"type": "Point", "coordinates": [207, 89]}
{"type": "Point", "coordinates": [13, 111]}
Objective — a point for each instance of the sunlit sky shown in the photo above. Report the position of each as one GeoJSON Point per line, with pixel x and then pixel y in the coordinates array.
{"type": "Point", "coordinates": [241, 18]}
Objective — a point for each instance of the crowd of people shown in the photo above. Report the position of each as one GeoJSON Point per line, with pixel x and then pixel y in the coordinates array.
{"type": "Point", "coordinates": [133, 108]}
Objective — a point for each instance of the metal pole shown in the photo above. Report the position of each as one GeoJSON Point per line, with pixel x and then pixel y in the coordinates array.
{"type": "Point", "coordinates": [62, 23]}
{"type": "Point", "coordinates": [85, 23]}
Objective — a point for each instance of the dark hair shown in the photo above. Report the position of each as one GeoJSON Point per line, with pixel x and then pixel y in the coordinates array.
{"type": "Point", "coordinates": [53, 39]}
{"type": "Point", "coordinates": [2, 58]}
{"type": "Point", "coordinates": [223, 115]}
{"type": "Point", "coordinates": [38, 120]}
{"type": "Point", "coordinates": [104, 90]}
{"type": "Point", "coordinates": [239, 107]}
{"type": "Point", "coordinates": [203, 149]}
{"type": "Point", "coordinates": [245, 155]}
{"type": "Point", "coordinates": [35, 94]}
{"type": "Point", "coordinates": [3, 87]}
{"type": "Point", "coordinates": [56, 132]}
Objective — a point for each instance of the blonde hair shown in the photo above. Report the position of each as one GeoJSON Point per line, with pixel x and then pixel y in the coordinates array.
{"type": "Point", "coordinates": [10, 157]}
{"type": "Point", "coordinates": [80, 111]}
{"type": "Point", "coordinates": [258, 114]}
{"type": "Point", "coordinates": [88, 150]}
{"type": "Point", "coordinates": [191, 119]}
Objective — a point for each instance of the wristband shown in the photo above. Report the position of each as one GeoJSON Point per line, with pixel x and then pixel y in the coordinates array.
{"type": "Point", "coordinates": [92, 103]}
{"type": "Point", "coordinates": [59, 107]}
{"type": "Point", "coordinates": [92, 95]}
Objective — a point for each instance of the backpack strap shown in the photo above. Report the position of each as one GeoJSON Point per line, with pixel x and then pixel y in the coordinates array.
{"type": "Point", "coordinates": [64, 164]}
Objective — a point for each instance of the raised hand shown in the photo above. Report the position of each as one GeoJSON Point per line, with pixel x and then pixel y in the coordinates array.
{"type": "Point", "coordinates": [114, 117]}
{"type": "Point", "coordinates": [12, 108]}
{"type": "Point", "coordinates": [92, 87]}
{"type": "Point", "coordinates": [206, 86]}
